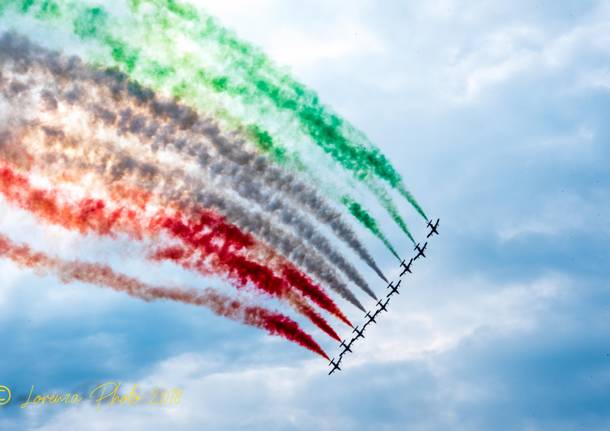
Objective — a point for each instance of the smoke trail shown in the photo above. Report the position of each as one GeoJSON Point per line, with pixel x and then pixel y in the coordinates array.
{"type": "Point", "coordinates": [308, 197]}
{"type": "Point", "coordinates": [241, 268]}
{"type": "Point", "coordinates": [94, 215]}
{"type": "Point", "coordinates": [256, 80]}
{"type": "Point", "coordinates": [361, 214]}
{"type": "Point", "coordinates": [129, 121]}
{"type": "Point", "coordinates": [106, 40]}
{"type": "Point", "coordinates": [325, 131]}
{"type": "Point", "coordinates": [388, 204]}
{"type": "Point", "coordinates": [247, 271]}
{"type": "Point", "coordinates": [119, 165]}
{"type": "Point", "coordinates": [69, 271]}
{"type": "Point", "coordinates": [162, 68]}
{"type": "Point", "coordinates": [243, 179]}
{"type": "Point", "coordinates": [303, 307]}
{"type": "Point", "coordinates": [147, 174]}
{"type": "Point", "coordinates": [90, 214]}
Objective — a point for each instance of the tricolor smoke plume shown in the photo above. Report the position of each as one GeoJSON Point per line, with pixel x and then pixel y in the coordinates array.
{"type": "Point", "coordinates": [15, 89]}
{"type": "Point", "coordinates": [116, 166]}
{"type": "Point", "coordinates": [168, 129]}
{"type": "Point", "coordinates": [200, 250]}
{"type": "Point", "coordinates": [146, 120]}
{"type": "Point", "coordinates": [69, 271]}
{"type": "Point", "coordinates": [132, 41]}
{"type": "Point", "coordinates": [143, 172]}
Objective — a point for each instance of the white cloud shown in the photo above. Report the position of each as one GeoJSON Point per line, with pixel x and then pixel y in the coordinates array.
{"type": "Point", "coordinates": [562, 214]}
{"type": "Point", "coordinates": [495, 58]}
{"type": "Point", "coordinates": [429, 321]}
{"type": "Point", "coordinates": [11, 281]}
{"type": "Point", "coordinates": [335, 33]}
{"type": "Point", "coordinates": [419, 328]}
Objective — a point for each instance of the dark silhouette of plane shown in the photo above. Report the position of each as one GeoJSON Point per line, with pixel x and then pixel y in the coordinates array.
{"type": "Point", "coordinates": [346, 347]}
{"type": "Point", "coordinates": [371, 318]}
{"type": "Point", "coordinates": [335, 365]}
{"type": "Point", "coordinates": [433, 227]}
{"type": "Point", "coordinates": [407, 267]}
{"type": "Point", "coordinates": [360, 333]}
{"type": "Point", "coordinates": [420, 250]}
{"type": "Point", "coordinates": [383, 306]}
{"type": "Point", "coordinates": [394, 288]}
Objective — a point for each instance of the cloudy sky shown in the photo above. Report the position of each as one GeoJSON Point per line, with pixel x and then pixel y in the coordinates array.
{"type": "Point", "coordinates": [496, 115]}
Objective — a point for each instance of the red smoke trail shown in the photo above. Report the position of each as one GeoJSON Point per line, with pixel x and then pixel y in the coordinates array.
{"type": "Point", "coordinates": [93, 214]}
{"type": "Point", "coordinates": [314, 292]}
{"type": "Point", "coordinates": [248, 271]}
{"type": "Point", "coordinates": [73, 172]}
{"type": "Point", "coordinates": [273, 322]}
{"type": "Point", "coordinates": [237, 267]}
{"type": "Point", "coordinates": [87, 215]}
{"type": "Point", "coordinates": [279, 324]}
{"type": "Point", "coordinates": [304, 308]}
{"type": "Point", "coordinates": [245, 270]}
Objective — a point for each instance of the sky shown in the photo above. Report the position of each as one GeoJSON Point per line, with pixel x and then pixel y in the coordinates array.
{"type": "Point", "coordinates": [495, 115]}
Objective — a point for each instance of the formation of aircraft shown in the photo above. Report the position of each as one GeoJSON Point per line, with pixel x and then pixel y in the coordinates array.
{"type": "Point", "coordinates": [407, 267]}
{"type": "Point", "coordinates": [433, 227]}
{"type": "Point", "coordinates": [383, 306]}
{"type": "Point", "coordinates": [420, 250]}
{"type": "Point", "coordinates": [394, 288]}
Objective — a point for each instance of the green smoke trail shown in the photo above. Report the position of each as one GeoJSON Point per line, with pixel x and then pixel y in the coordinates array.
{"type": "Point", "coordinates": [357, 210]}
{"type": "Point", "coordinates": [155, 63]}
{"type": "Point", "coordinates": [260, 79]}
{"type": "Point", "coordinates": [389, 206]}
{"type": "Point", "coordinates": [320, 123]}
{"type": "Point", "coordinates": [361, 214]}
{"type": "Point", "coordinates": [409, 197]}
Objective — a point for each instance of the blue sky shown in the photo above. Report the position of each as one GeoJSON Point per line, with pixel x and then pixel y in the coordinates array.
{"type": "Point", "coordinates": [495, 114]}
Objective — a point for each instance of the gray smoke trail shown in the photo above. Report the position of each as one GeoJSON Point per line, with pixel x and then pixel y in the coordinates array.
{"type": "Point", "coordinates": [177, 186]}
{"type": "Point", "coordinates": [248, 187]}
{"type": "Point", "coordinates": [232, 174]}
{"type": "Point", "coordinates": [254, 167]}
{"type": "Point", "coordinates": [251, 189]}
{"type": "Point", "coordinates": [257, 166]}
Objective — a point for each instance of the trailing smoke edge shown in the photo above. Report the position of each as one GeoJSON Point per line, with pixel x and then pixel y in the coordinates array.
{"type": "Point", "coordinates": [95, 215]}
{"type": "Point", "coordinates": [151, 126]}
{"type": "Point", "coordinates": [68, 271]}
{"type": "Point", "coordinates": [194, 189]}
{"type": "Point", "coordinates": [15, 187]}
